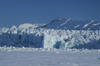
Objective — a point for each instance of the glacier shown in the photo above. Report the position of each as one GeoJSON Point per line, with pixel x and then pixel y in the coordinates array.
{"type": "Point", "coordinates": [50, 38]}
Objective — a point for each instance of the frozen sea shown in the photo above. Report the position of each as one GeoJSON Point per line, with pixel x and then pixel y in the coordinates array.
{"type": "Point", "coordinates": [12, 56]}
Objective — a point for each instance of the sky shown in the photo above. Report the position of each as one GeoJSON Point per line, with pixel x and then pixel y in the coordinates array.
{"type": "Point", "coordinates": [16, 12]}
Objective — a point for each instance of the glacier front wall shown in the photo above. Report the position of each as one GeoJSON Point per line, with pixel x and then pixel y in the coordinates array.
{"type": "Point", "coordinates": [50, 38]}
{"type": "Point", "coordinates": [73, 39]}
{"type": "Point", "coordinates": [51, 41]}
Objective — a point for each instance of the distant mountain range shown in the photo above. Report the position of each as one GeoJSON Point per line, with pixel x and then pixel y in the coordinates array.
{"type": "Point", "coordinates": [65, 23]}
{"type": "Point", "coordinates": [27, 25]}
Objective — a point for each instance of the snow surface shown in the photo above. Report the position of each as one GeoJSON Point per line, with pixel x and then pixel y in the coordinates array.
{"type": "Point", "coordinates": [12, 56]}
{"type": "Point", "coordinates": [28, 25]}
{"type": "Point", "coordinates": [68, 23]}
{"type": "Point", "coordinates": [13, 27]}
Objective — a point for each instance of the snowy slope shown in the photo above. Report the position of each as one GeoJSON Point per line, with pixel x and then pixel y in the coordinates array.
{"type": "Point", "coordinates": [28, 25]}
{"type": "Point", "coordinates": [68, 23]}
{"type": "Point", "coordinates": [13, 27]}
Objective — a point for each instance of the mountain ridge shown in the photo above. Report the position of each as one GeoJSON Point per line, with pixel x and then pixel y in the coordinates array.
{"type": "Point", "coordinates": [68, 23]}
{"type": "Point", "coordinates": [63, 23]}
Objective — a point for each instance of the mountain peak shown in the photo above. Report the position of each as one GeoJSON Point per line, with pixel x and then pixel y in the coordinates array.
{"type": "Point", "coordinates": [25, 25]}
{"type": "Point", "coordinates": [59, 18]}
{"type": "Point", "coordinates": [13, 27]}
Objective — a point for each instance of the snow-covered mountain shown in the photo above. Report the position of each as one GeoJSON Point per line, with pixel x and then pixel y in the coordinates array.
{"type": "Point", "coordinates": [64, 23]}
{"type": "Point", "coordinates": [28, 25]}
{"type": "Point", "coordinates": [68, 23]}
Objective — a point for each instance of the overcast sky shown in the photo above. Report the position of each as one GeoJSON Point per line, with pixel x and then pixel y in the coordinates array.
{"type": "Point", "coordinates": [16, 12]}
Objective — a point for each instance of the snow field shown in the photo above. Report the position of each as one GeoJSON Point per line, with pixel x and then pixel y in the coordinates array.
{"type": "Point", "coordinates": [12, 56]}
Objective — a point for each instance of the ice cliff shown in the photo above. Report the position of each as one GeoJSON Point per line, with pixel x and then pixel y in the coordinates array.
{"type": "Point", "coordinates": [50, 38]}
